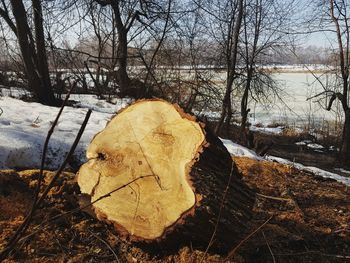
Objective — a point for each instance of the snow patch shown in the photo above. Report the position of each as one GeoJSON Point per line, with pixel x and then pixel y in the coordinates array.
{"type": "Point", "coordinates": [239, 150]}
{"type": "Point", "coordinates": [24, 127]}
{"type": "Point", "coordinates": [275, 130]}
{"type": "Point", "coordinates": [315, 146]}
{"type": "Point", "coordinates": [314, 170]}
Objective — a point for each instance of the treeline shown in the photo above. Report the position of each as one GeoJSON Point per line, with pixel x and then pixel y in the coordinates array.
{"type": "Point", "coordinates": [132, 48]}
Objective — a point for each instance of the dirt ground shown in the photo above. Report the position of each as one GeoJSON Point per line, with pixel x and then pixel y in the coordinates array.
{"type": "Point", "coordinates": [309, 221]}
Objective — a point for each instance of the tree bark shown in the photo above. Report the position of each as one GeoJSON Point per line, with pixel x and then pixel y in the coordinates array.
{"type": "Point", "coordinates": [244, 104]}
{"type": "Point", "coordinates": [40, 44]}
{"type": "Point", "coordinates": [122, 48]}
{"type": "Point", "coordinates": [226, 113]}
{"type": "Point", "coordinates": [122, 54]}
{"type": "Point", "coordinates": [177, 184]}
{"type": "Point", "coordinates": [344, 69]}
{"type": "Point", "coordinates": [35, 61]}
{"type": "Point", "coordinates": [345, 146]}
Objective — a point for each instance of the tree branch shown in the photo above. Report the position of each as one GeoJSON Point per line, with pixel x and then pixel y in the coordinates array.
{"type": "Point", "coordinates": [24, 226]}
{"type": "Point", "coordinates": [5, 15]}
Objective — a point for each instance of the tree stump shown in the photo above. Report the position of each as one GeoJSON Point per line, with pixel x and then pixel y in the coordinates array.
{"type": "Point", "coordinates": [177, 184]}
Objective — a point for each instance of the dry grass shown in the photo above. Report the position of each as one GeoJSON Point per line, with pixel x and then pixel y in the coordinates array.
{"type": "Point", "coordinates": [310, 221]}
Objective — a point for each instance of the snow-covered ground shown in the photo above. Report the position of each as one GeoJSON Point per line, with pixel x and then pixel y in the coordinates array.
{"type": "Point", "coordinates": [24, 127]}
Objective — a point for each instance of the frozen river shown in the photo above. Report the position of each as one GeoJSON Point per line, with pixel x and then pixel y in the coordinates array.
{"type": "Point", "coordinates": [295, 109]}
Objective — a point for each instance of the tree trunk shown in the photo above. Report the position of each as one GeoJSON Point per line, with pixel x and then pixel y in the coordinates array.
{"type": "Point", "coordinates": [345, 147]}
{"type": "Point", "coordinates": [244, 101]}
{"type": "Point", "coordinates": [246, 135]}
{"type": "Point", "coordinates": [226, 113]}
{"type": "Point", "coordinates": [37, 82]}
{"type": "Point", "coordinates": [176, 182]}
{"type": "Point", "coordinates": [40, 44]}
{"type": "Point", "coordinates": [122, 53]}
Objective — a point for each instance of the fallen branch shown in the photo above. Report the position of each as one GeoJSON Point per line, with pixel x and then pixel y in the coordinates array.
{"type": "Point", "coordinates": [267, 243]}
{"type": "Point", "coordinates": [24, 226]}
{"type": "Point", "coordinates": [233, 251]}
{"type": "Point", "coordinates": [79, 209]}
{"type": "Point", "coordinates": [314, 252]}
{"type": "Point", "coordinates": [274, 198]}
{"type": "Point", "coordinates": [107, 245]}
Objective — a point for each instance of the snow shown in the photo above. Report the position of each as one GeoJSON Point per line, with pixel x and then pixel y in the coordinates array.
{"type": "Point", "coordinates": [315, 146]}
{"type": "Point", "coordinates": [314, 170]}
{"type": "Point", "coordinates": [91, 102]}
{"type": "Point", "coordinates": [275, 130]}
{"type": "Point", "coordinates": [238, 150]}
{"type": "Point", "coordinates": [24, 127]}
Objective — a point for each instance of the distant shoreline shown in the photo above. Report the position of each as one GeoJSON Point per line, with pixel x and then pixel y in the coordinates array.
{"type": "Point", "coordinates": [297, 68]}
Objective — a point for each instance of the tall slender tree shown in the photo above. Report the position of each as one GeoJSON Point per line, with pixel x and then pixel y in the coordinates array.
{"type": "Point", "coordinates": [265, 24]}
{"type": "Point", "coordinates": [339, 12]}
{"type": "Point", "coordinates": [32, 46]}
{"type": "Point", "coordinates": [334, 16]}
{"type": "Point", "coordinates": [125, 13]}
{"type": "Point", "coordinates": [231, 38]}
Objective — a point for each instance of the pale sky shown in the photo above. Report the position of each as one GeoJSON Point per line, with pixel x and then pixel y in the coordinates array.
{"type": "Point", "coordinates": [320, 39]}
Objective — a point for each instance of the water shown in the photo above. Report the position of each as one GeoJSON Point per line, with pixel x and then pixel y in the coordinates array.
{"type": "Point", "coordinates": [295, 107]}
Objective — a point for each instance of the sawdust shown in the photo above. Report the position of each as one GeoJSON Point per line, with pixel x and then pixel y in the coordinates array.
{"type": "Point", "coordinates": [310, 221]}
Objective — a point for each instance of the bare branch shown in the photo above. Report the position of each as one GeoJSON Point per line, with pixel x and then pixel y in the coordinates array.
{"type": "Point", "coordinates": [24, 226]}
{"type": "Point", "coordinates": [5, 15]}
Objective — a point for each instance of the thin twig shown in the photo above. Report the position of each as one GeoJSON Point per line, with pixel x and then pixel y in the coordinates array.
{"type": "Point", "coordinates": [46, 143]}
{"type": "Point", "coordinates": [267, 243]}
{"type": "Point", "coordinates": [68, 156]}
{"type": "Point", "coordinates": [274, 198]}
{"type": "Point", "coordinates": [40, 226]}
{"type": "Point", "coordinates": [24, 226]}
{"type": "Point", "coordinates": [107, 244]}
{"type": "Point", "coordinates": [233, 251]}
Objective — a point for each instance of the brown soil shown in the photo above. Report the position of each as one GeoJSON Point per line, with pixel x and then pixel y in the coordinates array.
{"type": "Point", "coordinates": [309, 221]}
{"type": "Point", "coordinates": [311, 215]}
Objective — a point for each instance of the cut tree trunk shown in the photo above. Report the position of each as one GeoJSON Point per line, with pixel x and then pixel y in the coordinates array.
{"type": "Point", "coordinates": [185, 186]}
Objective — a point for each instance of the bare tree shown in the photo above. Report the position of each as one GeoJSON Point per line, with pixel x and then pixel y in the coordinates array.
{"type": "Point", "coordinates": [32, 46]}
{"type": "Point", "coordinates": [334, 17]}
{"type": "Point", "coordinates": [126, 13]}
{"type": "Point", "coordinates": [339, 12]}
{"type": "Point", "coordinates": [264, 24]}
{"type": "Point", "coordinates": [105, 61]}
{"type": "Point", "coordinates": [229, 25]}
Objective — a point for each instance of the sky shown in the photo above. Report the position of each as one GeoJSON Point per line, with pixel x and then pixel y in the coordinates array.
{"type": "Point", "coordinates": [320, 39]}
